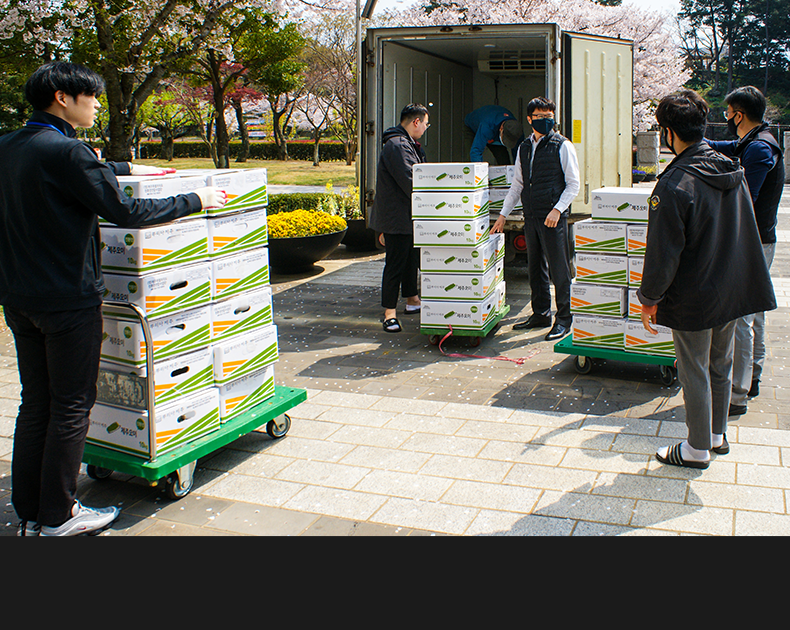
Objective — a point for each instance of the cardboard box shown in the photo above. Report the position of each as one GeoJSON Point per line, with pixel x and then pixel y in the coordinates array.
{"type": "Point", "coordinates": [602, 269]}
{"type": "Point", "coordinates": [596, 299]}
{"type": "Point", "coordinates": [246, 189]}
{"type": "Point", "coordinates": [636, 265]}
{"type": "Point", "coordinates": [637, 239]}
{"type": "Point", "coordinates": [234, 233]}
{"type": "Point", "coordinates": [241, 314]}
{"type": "Point", "coordinates": [180, 422]}
{"type": "Point", "coordinates": [598, 331]}
{"type": "Point", "coordinates": [599, 237]}
{"type": "Point", "coordinates": [160, 187]}
{"type": "Point", "coordinates": [144, 250]}
{"type": "Point", "coordinates": [634, 306]}
{"type": "Point", "coordinates": [449, 205]}
{"type": "Point", "coordinates": [627, 205]}
{"type": "Point", "coordinates": [463, 259]}
{"type": "Point", "coordinates": [239, 273]}
{"type": "Point", "coordinates": [449, 233]}
{"type": "Point", "coordinates": [450, 176]}
{"type": "Point", "coordinates": [126, 386]}
{"type": "Point", "coordinates": [244, 354]}
{"type": "Point", "coordinates": [499, 176]}
{"type": "Point", "coordinates": [123, 341]}
{"type": "Point", "coordinates": [471, 315]}
{"type": "Point", "coordinates": [460, 286]}
{"type": "Point", "coordinates": [160, 293]}
{"type": "Point", "coordinates": [496, 201]}
{"type": "Point", "coordinates": [637, 339]}
{"type": "Point", "coordinates": [239, 396]}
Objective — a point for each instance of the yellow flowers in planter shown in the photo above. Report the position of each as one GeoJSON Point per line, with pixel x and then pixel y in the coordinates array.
{"type": "Point", "coordinates": [304, 223]}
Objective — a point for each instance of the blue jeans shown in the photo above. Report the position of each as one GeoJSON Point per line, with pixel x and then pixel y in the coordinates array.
{"type": "Point", "coordinates": [58, 359]}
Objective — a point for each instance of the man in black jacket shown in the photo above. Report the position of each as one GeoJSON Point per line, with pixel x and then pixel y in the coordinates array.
{"type": "Point", "coordinates": [52, 187]}
{"type": "Point", "coordinates": [391, 213]}
{"type": "Point", "coordinates": [704, 268]}
{"type": "Point", "coordinates": [763, 167]}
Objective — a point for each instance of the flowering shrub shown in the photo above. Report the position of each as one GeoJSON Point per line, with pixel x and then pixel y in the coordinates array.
{"type": "Point", "coordinates": [346, 204]}
{"type": "Point", "coordinates": [304, 223]}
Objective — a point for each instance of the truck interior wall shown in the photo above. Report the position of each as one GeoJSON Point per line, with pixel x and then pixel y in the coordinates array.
{"type": "Point", "coordinates": [445, 87]}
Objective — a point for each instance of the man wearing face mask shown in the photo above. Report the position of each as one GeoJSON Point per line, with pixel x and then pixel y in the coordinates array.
{"type": "Point", "coordinates": [703, 270]}
{"type": "Point", "coordinates": [763, 164]}
{"type": "Point", "coordinates": [546, 180]}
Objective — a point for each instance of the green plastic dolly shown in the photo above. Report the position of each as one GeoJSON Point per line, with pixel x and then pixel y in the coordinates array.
{"type": "Point", "coordinates": [176, 467]}
{"type": "Point", "coordinates": [586, 356]}
{"type": "Point", "coordinates": [476, 336]}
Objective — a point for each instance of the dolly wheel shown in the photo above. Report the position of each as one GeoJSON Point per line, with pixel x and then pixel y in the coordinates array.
{"type": "Point", "coordinates": [583, 364]}
{"type": "Point", "coordinates": [668, 375]}
{"type": "Point", "coordinates": [279, 427]}
{"type": "Point", "coordinates": [434, 340]}
{"type": "Point", "coordinates": [96, 472]}
{"type": "Point", "coordinates": [475, 341]}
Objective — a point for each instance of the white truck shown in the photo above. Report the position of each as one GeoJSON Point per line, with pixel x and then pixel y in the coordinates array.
{"type": "Point", "coordinates": [456, 69]}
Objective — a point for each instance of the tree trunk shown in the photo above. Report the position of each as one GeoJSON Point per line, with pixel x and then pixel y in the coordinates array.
{"type": "Point", "coordinates": [244, 151]}
{"type": "Point", "coordinates": [316, 149]}
{"type": "Point", "coordinates": [166, 148]}
{"type": "Point", "coordinates": [223, 141]}
{"type": "Point", "coordinates": [279, 137]}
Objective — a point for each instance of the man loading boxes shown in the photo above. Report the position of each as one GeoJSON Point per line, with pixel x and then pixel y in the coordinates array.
{"type": "Point", "coordinates": [547, 181]}
{"type": "Point", "coordinates": [51, 286]}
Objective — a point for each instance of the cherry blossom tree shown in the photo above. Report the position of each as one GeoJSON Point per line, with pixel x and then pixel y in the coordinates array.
{"type": "Point", "coordinates": [133, 45]}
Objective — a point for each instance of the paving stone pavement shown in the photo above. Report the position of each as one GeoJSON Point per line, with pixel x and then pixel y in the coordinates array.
{"type": "Point", "coordinates": [397, 438]}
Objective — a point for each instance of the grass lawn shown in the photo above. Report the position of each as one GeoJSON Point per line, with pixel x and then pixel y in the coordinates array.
{"type": "Point", "coordinates": [290, 173]}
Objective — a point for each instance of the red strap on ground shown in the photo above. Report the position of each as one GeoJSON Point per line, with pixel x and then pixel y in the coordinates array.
{"type": "Point", "coordinates": [520, 361]}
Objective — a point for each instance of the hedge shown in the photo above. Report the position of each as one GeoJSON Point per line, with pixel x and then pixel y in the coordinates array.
{"type": "Point", "coordinates": [327, 151]}
{"type": "Point", "coordinates": [288, 202]}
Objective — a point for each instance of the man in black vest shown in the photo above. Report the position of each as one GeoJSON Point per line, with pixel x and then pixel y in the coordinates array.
{"type": "Point", "coordinates": [763, 163]}
{"type": "Point", "coordinates": [546, 185]}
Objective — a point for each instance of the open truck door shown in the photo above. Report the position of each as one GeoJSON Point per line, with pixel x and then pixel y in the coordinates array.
{"type": "Point", "coordinates": [597, 111]}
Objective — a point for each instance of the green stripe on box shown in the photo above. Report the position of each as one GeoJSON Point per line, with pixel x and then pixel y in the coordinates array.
{"type": "Point", "coordinates": [664, 348]}
{"type": "Point", "coordinates": [258, 279]}
{"type": "Point", "coordinates": [207, 424]}
{"type": "Point", "coordinates": [256, 238]}
{"type": "Point", "coordinates": [261, 318]}
{"type": "Point", "coordinates": [608, 308]}
{"type": "Point", "coordinates": [614, 340]}
{"type": "Point", "coordinates": [611, 245]}
{"type": "Point", "coordinates": [264, 392]}
{"type": "Point", "coordinates": [198, 338]}
{"type": "Point", "coordinates": [609, 277]}
{"type": "Point", "coordinates": [261, 360]}
{"type": "Point", "coordinates": [201, 380]}
{"type": "Point", "coordinates": [199, 296]}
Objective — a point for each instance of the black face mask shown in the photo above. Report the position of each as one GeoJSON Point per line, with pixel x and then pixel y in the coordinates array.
{"type": "Point", "coordinates": [732, 127]}
{"type": "Point", "coordinates": [665, 140]}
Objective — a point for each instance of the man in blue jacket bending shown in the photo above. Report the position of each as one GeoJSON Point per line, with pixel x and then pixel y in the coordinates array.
{"type": "Point", "coordinates": [497, 129]}
{"type": "Point", "coordinates": [52, 190]}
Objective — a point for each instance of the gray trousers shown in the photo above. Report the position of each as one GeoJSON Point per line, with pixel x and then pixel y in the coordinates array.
{"type": "Point", "coordinates": [749, 357]}
{"type": "Point", "coordinates": [705, 371]}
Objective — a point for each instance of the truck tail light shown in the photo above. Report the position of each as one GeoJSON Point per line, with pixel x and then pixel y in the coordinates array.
{"type": "Point", "coordinates": [520, 243]}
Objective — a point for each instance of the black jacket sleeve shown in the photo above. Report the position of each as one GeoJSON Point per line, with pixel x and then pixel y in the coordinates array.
{"type": "Point", "coordinates": [97, 187]}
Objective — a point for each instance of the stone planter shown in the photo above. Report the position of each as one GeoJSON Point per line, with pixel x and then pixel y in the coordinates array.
{"type": "Point", "coordinates": [294, 255]}
{"type": "Point", "coordinates": [359, 236]}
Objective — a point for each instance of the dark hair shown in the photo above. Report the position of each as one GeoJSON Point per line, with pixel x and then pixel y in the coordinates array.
{"type": "Point", "coordinates": [540, 102]}
{"type": "Point", "coordinates": [685, 113]}
{"type": "Point", "coordinates": [748, 100]}
{"type": "Point", "coordinates": [71, 78]}
{"type": "Point", "coordinates": [412, 111]}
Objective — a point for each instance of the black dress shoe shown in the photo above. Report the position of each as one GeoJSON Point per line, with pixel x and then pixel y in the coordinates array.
{"type": "Point", "coordinates": [558, 331]}
{"type": "Point", "coordinates": [737, 410]}
{"type": "Point", "coordinates": [755, 390]}
{"type": "Point", "coordinates": [534, 321]}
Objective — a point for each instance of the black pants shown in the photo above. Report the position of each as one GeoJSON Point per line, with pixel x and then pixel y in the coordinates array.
{"type": "Point", "coordinates": [547, 257]}
{"type": "Point", "coordinates": [58, 359]}
{"type": "Point", "coordinates": [401, 264]}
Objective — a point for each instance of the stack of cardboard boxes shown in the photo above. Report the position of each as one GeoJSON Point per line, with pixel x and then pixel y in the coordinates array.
{"type": "Point", "coordinates": [610, 250]}
{"type": "Point", "coordinates": [461, 263]}
{"type": "Point", "coordinates": [499, 180]}
{"type": "Point", "coordinates": [203, 284]}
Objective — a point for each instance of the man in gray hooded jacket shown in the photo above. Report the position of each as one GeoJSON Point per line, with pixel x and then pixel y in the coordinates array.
{"type": "Point", "coordinates": [704, 268]}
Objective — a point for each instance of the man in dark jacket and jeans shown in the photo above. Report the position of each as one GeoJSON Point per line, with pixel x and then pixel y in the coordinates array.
{"type": "Point", "coordinates": [391, 213]}
{"type": "Point", "coordinates": [52, 187]}
{"type": "Point", "coordinates": [763, 167]}
{"type": "Point", "coordinates": [704, 268]}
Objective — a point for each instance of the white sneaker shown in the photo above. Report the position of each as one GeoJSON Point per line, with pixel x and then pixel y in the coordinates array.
{"type": "Point", "coordinates": [28, 528]}
{"type": "Point", "coordinates": [84, 520]}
